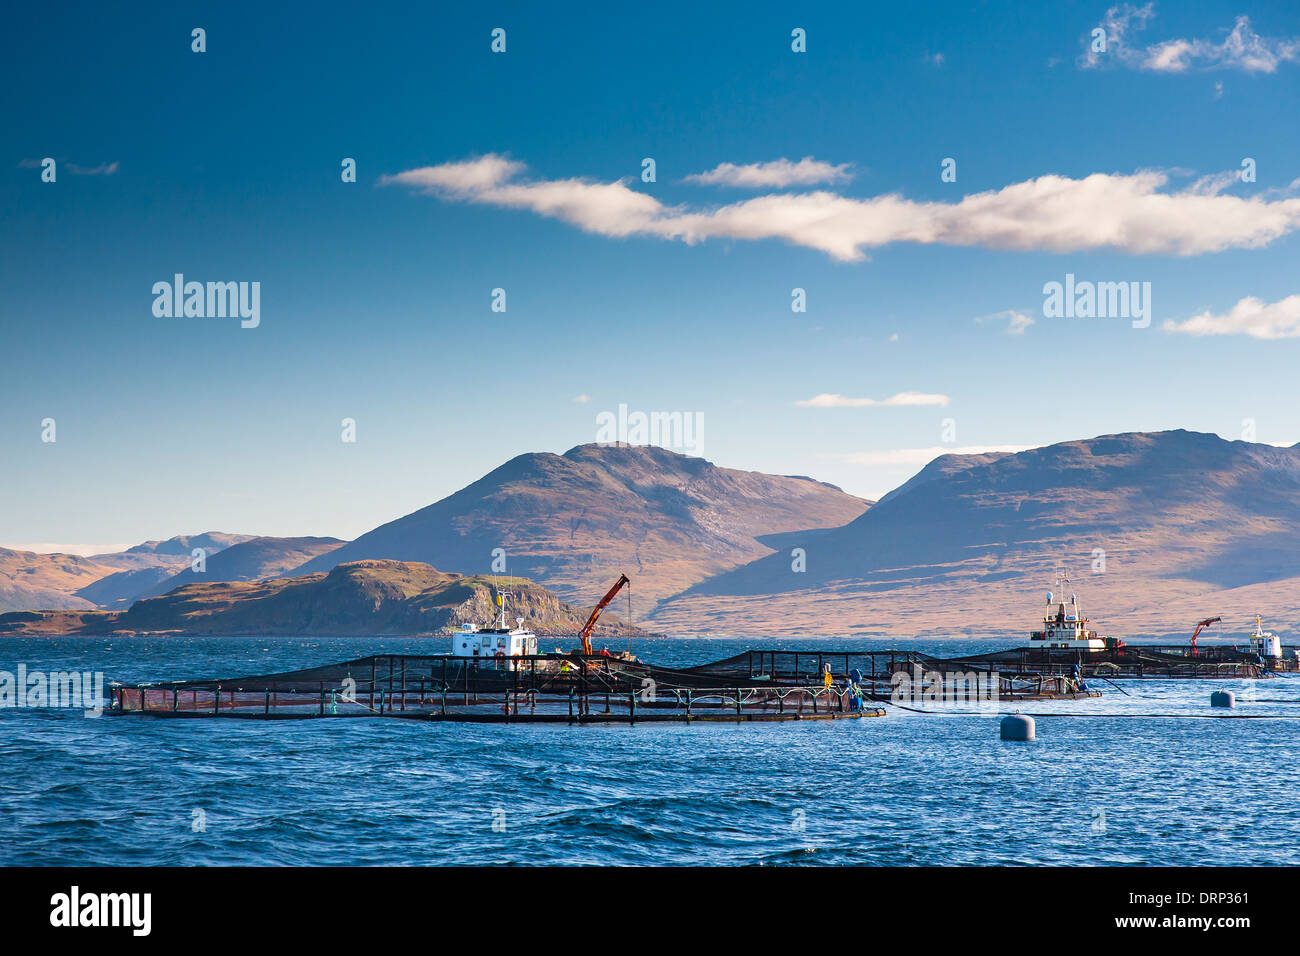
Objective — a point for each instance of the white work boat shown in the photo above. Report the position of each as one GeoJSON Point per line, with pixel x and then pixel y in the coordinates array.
{"type": "Point", "coordinates": [1064, 626]}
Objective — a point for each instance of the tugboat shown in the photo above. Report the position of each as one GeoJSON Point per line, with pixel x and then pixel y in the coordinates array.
{"type": "Point", "coordinates": [1064, 626]}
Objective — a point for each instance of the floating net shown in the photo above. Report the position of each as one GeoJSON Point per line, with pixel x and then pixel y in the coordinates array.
{"type": "Point", "coordinates": [547, 687]}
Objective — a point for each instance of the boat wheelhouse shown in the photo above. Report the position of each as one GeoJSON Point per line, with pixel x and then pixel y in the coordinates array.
{"type": "Point", "coordinates": [1064, 626]}
{"type": "Point", "coordinates": [494, 643]}
{"type": "Point", "coordinates": [1265, 643]}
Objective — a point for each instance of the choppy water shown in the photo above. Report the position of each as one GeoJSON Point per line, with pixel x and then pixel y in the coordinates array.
{"type": "Point", "coordinates": [1097, 787]}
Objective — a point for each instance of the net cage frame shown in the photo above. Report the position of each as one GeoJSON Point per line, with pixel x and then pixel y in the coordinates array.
{"type": "Point", "coordinates": [556, 687]}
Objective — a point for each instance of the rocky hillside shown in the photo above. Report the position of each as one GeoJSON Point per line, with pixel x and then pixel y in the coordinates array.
{"type": "Point", "coordinates": [359, 598]}
{"type": "Point", "coordinates": [575, 521]}
{"type": "Point", "coordinates": [1189, 525]}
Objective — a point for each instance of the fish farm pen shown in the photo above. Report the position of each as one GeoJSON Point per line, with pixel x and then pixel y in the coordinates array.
{"type": "Point", "coordinates": [1127, 660]}
{"type": "Point", "coordinates": [754, 685]}
{"type": "Point", "coordinates": [875, 672]}
{"type": "Point", "coordinates": [538, 688]}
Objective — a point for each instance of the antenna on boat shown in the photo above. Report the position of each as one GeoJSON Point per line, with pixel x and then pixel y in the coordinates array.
{"type": "Point", "coordinates": [501, 598]}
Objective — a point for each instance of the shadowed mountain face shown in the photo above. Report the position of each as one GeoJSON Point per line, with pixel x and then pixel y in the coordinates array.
{"type": "Point", "coordinates": [123, 587]}
{"type": "Point", "coordinates": [575, 521]}
{"type": "Point", "coordinates": [248, 560]}
{"type": "Point", "coordinates": [1175, 515]}
{"type": "Point", "coordinates": [359, 598]}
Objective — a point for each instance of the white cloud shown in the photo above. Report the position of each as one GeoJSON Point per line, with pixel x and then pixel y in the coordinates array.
{"type": "Point", "coordinates": [1241, 49]}
{"type": "Point", "coordinates": [1051, 213]}
{"type": "Point", "coordinates": [1215, 183]}
{"type": "Point", "coordinates": [462, 177]}
{"type": "Point", "coordinates": [909, 457]}
{"type": "Point", "coordinates": [1250, 316]}
{"type": "Point", "coordinates": [776, 174]}
{"type": "Point", "coordinates": [1017, 321]}
{"type": "Point", "coordinates": [582, 399]}
{"type": "Point", "coordinates": [901, 400]}
{"type": "Point", "coordinates": [103, 169]}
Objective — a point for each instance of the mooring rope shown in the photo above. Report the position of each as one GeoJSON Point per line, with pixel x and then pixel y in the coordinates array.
{"type": "Point", "coordinates": [1113, 684]}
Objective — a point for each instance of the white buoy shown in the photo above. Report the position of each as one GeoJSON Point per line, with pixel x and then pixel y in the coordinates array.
{"type": "Point", "coordinates": [1017, 727]}
{"type": "Point", "coordinates": [1223, 698]}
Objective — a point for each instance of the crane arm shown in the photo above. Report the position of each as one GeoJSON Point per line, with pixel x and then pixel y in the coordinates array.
{"type": "Point", "coordinates": [595, 611]}
{"type": "Point", "coordinates": [1202, 624]}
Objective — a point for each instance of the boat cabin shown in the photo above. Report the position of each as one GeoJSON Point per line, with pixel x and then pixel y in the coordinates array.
{"type": "Point", "coordinates": [1065, 627]}
{"type": "Point", "coordinates": [471, 641]}
{"type": "Point", "coordinates": [1265, 643]}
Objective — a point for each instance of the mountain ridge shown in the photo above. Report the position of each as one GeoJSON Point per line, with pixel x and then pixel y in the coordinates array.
{"type": "Point", "coordinates": [1177, 514]}
{"type": "Point", "coordinates": [575, 521]}
{"type": "Point", "coordinates": [362, 598]}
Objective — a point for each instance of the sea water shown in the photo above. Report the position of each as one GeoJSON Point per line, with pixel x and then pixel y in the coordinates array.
{"type": "Point", "coordinates": [1146, 775]}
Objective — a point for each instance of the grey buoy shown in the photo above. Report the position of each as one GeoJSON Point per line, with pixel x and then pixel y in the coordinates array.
{"type": "Point", "coordinates": [1017, 727]}
{"type": "Point", "coordinates": [1223, 698]}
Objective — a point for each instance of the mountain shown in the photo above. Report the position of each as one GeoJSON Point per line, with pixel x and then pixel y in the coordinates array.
{"type": "Point", "coordinates": [248, 560]}
{"type": "Point", "coordinates": [358, 598]}
{"type": "Point", "coordinates": [184, 544]}
{"type": "Point", "coordinates": [1188, 525]}
{"type": "Point", "coordinates": [575, 521]}
{"type": "Point", "coordinates": [174, 553]}
{"type": "Point", "coordinates": [120, 588]}
{"type": "Point", "coordinates": [1157, 530]}
{"type": "Point", "coordinates": [31, 580]}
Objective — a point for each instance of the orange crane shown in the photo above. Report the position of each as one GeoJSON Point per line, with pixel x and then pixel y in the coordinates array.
{"type": "Point", "coordinates": [595, 611]}
{"type": "Point", "coordinates": [1202, 624]}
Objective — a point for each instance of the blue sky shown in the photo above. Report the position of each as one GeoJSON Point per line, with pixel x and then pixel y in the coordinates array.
{"type": "Point", "coordinates": [375, 295]}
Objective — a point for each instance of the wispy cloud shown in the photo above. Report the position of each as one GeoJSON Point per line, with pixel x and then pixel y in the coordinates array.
{"type": "Point", "coordinates": [1241, 48]}
{"type": "Point", "coordinates": [908, 457]}
{"type": "Point", "coordinates": [1250, 316]}
{"type": "Point", "coordinates": [774, 175]}
{"type": "Point", "coordinates": [1017, 321]}
{"type": "Point", "coordinates": [582, 399]}
{"type": "Point", "coordinates": [1129, 213]}
{"type": "Point", "coordinates": [1215, 183]}
{"type": "Point", "coordinates": [901, 400]}
{"type": "Point", "coordinates": [103, 169]}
